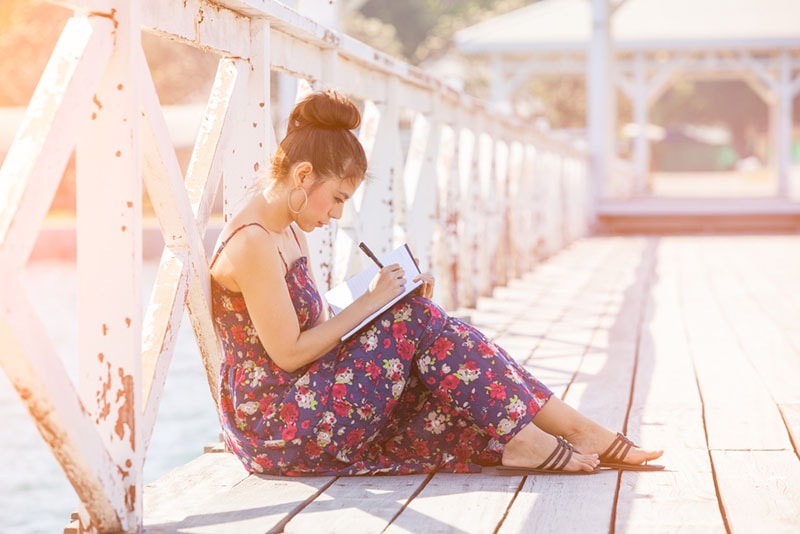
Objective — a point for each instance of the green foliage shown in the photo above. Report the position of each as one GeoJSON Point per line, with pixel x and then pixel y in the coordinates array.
{"type": "Point", "coordinates": [425, 27]}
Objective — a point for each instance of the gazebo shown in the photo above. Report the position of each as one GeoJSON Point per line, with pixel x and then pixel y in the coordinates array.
{"type": "Point", "coordinates": [640, 46]}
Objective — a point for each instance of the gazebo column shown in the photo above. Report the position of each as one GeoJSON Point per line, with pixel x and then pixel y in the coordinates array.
{"type": "Point", "coordinates": [641, 144]}
{"type": "Point", "coordinates": [781, 122]}
{"type": "Point", "coordinates": [777, 91]}
{"type": "Point", "coordinates": [643, 92]}
{"type": "Point", "coordinates": [601, 110]}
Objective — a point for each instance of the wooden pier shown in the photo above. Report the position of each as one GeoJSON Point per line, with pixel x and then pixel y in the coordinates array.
{"type": "Point", "coordinates": [690, 343]}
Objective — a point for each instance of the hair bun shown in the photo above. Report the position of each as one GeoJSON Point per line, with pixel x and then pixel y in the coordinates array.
{"type": "Point", "coordinates": [325, 110]}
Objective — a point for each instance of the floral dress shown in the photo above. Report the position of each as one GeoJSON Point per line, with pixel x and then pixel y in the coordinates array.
{"type": "Point", "coordinates": [415, 391]}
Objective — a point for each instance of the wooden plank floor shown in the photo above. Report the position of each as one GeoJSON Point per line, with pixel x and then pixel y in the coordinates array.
{"type": "Point", "coordinates": [687, 343]}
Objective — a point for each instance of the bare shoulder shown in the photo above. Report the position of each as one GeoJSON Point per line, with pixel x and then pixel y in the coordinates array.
{"type": "Point", "coordinates": [249, 251]}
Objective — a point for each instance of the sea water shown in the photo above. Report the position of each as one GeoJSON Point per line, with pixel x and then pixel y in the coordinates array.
{"type": "Point", "coordinates": [35, 495]}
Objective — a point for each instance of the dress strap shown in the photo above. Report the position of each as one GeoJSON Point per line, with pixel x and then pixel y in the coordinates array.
{"type": "Point", "coordinates": [296, 240]}
{"type": "Point", "coordinates": [225, 242]}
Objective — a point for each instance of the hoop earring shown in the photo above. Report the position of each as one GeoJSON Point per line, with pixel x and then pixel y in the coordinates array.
{"type": "Point", "coordinates": [304, 204]}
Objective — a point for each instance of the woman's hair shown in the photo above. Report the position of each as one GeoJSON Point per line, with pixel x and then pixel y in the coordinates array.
{"type": "Point", "coordinates": [319, 132]}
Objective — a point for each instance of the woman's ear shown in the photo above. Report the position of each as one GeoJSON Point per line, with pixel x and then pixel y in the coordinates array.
{"type": "Point", "coordinates": [302, 173]}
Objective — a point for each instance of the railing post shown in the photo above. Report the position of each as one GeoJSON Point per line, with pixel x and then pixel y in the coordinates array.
{"type": "Point", "coordinates": [109, 258]}
{"type": "Point", "coordinates": [377, 205]}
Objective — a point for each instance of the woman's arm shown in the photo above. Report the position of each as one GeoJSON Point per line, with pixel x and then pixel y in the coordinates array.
{"type": "Point", "coordinates": [259, 273]}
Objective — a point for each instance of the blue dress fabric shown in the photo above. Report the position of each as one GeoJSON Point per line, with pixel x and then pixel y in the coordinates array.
{"type": "Point", "coordinates": [415, 391]}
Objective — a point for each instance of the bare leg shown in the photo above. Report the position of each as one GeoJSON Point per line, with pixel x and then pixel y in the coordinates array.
{"type": "Point", "coordinates": [558, 418]}
{"type": "Point", "coordinates": [531, 446]}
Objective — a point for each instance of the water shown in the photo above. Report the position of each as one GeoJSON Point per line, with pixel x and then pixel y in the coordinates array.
{"type": "Point", "coordinates": [35, 496]}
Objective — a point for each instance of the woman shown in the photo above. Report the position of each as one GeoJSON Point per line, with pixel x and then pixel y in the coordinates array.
{"type": "Point", "coordinates": [416, 391]}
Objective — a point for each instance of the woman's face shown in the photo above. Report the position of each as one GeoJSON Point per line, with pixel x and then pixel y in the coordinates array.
{"type": "Point", "coordinates": [325, 202]}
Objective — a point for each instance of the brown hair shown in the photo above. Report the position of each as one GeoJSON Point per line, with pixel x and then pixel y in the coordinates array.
{"type": "Point", "coordinates": [319, 132]}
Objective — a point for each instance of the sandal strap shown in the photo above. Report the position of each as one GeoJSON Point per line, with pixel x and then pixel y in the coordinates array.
{"type": "Point", "coordinates": [618, 449]}
{"type": "Point", "coordinates": [560, 456]}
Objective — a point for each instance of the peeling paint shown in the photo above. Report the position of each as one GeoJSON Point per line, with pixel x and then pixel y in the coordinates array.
{"type": "Point", "coordinates": [111, 16]}
{"type": "Point", "coordinates": [125, 412]}
{"type": "Point", "coordinates": [104, 407]}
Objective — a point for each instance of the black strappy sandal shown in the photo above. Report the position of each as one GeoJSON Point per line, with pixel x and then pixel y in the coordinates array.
{"type": "Point", "coordinates": [614, 455]}
{"type": "Point", "coordinates": [554, 465]}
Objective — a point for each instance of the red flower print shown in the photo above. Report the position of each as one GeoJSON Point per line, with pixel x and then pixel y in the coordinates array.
{"type": "Point", "coordinates": [289, 432]}
{"type": "Point", "coordinates": [355, 437]}
{"type": "Point", "coordinates": [338, 391]}
{"type": "Point", "coordinates": [312, 449]}
{"type": "Point", "coordinates": [341, 408]}
{"type": "Point", "coordinates": [264, 461]}
{"type": "Point", "coordinates": [405, 349]}
{"type": "Point", "coordinates": [238, 304]}
{"type": "Point", "coordinates": [450, 382]}
{"type": "Point", "coordinates": [399, 329]}
{"type": "Point", "coordinates": [239, 334]}
{"type": "Point", "coordinates": [441, 347]}
{"type": "Point", "coordinates": [374, 371]}
{"type": "Point", "coordinates": [289, 412]}
{"type": "Point", "coordinates": [484, 349]}
{"type": "Point", "coordinates": [497, 391]}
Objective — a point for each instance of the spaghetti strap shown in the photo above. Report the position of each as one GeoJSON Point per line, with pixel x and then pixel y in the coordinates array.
{"type": "Point", "coordinates": [225, 242]}
{"type": "Point", "coordinates": [296, 240]}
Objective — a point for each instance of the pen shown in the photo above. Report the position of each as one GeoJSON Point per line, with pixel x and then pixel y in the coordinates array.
{"type": "Point", "coordinates": [365, 249]}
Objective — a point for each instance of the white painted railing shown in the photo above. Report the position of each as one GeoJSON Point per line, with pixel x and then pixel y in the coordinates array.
{"type": "Point", "coordinates": [480, 197]}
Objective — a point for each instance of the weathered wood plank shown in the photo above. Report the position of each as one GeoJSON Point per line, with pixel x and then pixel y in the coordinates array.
{"type": "Point", "coordinates": [760, 490]}
{"type": "Point", "coordinates": [188, 490]}
{"type": "Point", "coordinates": [458, 503]}
{"type": "Point", "coordinates": [667, 412]}
{"type": "Point", "coordinates": [357, 504]}
{"type": "Point", "coordinates": [552, 503]}
{"type": "Point", "coordinates": [735, 420]}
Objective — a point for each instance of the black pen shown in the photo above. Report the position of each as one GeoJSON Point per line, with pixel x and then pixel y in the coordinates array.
{"type": "Point", "coordinates": [365, 249]}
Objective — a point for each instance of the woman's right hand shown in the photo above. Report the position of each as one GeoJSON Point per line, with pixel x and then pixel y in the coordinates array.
{"type": "Point", "coordinates": [387, 284]}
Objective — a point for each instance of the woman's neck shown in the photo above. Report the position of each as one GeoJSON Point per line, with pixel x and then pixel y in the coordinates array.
{"type": "Point", "coordinates": [273, 210]}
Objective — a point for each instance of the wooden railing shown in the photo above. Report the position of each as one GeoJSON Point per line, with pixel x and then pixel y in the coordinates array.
{"type": "Point", "coordinates": [480, 197]}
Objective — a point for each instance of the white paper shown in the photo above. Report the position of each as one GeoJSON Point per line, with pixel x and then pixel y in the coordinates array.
{"type": "Point", "coordinates": [344, 294]}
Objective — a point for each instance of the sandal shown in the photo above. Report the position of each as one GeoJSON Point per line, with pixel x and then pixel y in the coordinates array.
{"type": "Point", "coordinates": [614, 455]}
{"type": "Point", "coordinates": [553, 465]}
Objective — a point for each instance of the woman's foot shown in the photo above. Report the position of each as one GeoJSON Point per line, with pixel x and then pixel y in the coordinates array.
{"type": "Point", "coordinates": [557, 417]}
{"type": "Point", "coordinates": [612, 448]}
{"type": "Point", "coordinates": [532, 447]}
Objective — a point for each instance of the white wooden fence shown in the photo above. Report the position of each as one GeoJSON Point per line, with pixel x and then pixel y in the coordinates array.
{"type": "Point", "coordinates": [480, 197]}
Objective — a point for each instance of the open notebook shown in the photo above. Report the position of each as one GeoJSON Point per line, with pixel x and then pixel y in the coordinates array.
{"type": "Point", "coordinates": [342, 295]}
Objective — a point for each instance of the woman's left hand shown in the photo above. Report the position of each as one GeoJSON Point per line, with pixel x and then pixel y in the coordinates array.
{"type": "Point", "coordinates": [426, 289]}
